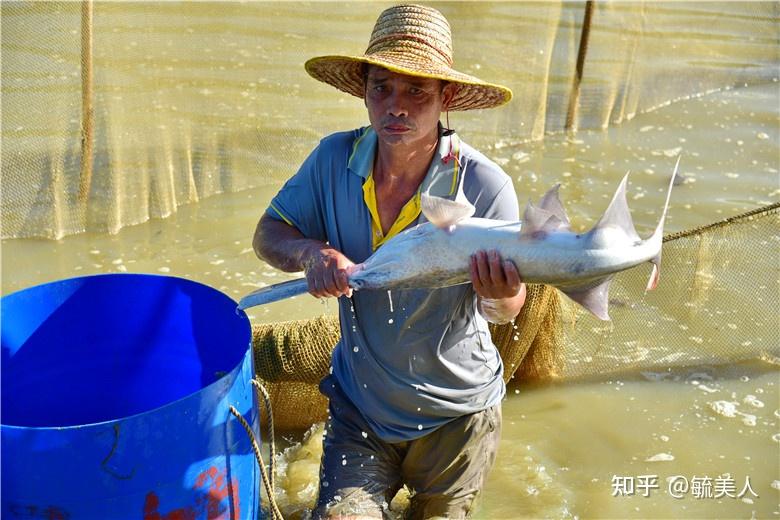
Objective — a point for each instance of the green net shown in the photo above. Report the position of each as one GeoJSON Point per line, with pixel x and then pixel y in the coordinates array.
{"type": "Point", "coordinates": [124, 115]}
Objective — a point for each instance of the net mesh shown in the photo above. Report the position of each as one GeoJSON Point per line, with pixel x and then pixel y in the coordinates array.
{"type": "Point", "coordinates": [189, 100]}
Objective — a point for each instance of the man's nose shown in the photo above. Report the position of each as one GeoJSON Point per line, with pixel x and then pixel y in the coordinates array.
{"type": "Point", "coordinates": [396, 105]}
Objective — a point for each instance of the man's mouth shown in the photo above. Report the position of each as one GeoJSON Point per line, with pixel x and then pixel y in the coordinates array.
{"type": "Point", "coordinates": [396, 129]}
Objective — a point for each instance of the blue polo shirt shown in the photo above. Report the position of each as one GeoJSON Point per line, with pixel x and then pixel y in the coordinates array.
{"type": "Point", "coordinates": [410, 360]}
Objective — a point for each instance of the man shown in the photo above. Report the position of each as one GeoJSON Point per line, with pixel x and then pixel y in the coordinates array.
{"type": "Point", "coordinates": [416, 382]}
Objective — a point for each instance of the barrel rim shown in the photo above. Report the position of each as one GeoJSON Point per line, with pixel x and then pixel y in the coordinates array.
{"type": "Point", "coordinates": [232, 374]}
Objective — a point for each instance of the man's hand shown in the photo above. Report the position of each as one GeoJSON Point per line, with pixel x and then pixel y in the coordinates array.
{"type": "Point", "coordinates": [285, 248]}
{"type": "Point", "coordinates": [327, 271]}
{"type": "Point", "coordinates": [499, 287]}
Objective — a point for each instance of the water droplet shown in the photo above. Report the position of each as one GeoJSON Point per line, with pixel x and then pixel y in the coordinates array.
{"type": "Point", "coordinates": [419, 426]}
{"type": "Point", "coordinates": [390, 320]}
{"type": "Point", "coordinates": [325, 483]}
{"type": "Point", "coordinates": [355, 349]}
{"type": "Point", "coordinates": [344, 462]}
{"type": "Point", "coordinates": [364, 434]}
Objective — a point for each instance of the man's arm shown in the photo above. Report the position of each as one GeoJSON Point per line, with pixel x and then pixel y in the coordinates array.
{"type": "Point", "coordinates": [285, 248]}
{"type": "Point", "coordinates": [501, 293]}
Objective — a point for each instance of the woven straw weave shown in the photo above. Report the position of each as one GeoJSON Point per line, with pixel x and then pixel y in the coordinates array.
{"type": "Point", "coordinates": [413, 40]}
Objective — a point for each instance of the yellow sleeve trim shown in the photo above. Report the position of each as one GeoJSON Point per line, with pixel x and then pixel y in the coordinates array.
{"type": "Point", "coordinates": [282, 215]}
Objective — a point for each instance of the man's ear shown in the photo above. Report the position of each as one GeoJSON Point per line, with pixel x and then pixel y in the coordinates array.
{"type": "Point", "coordinates": [448, 93]}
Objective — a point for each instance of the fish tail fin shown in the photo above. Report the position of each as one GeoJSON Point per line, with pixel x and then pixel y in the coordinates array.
{"type": "Point", "coordinates": [658, 234]}
{"type": "Point", "coordinates": [593, 295]}
{"type": "Point", "coordinates": [274, 293]}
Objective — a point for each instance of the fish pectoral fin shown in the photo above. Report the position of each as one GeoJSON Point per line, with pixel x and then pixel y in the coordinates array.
{"type": "Point", "coordinates": [552, 202]}
{"type": "Point", "coordinates": [536, 220]}
{"type": "Point", "coordinates": [445, 213]}
{"type": "Point", "coordinates": [594, 296]}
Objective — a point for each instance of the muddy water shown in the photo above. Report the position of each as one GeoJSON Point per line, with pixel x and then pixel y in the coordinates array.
{"type": "Point", "coordinates": [563, 444]}
{"type": "Point", "coordinates": [569, 449]}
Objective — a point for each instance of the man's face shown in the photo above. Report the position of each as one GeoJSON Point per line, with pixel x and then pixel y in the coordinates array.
{"type": "Point", "coordinates": [405, 109]}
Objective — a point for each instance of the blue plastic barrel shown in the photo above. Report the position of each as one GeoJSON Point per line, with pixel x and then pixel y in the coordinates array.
{"type": "Point", "coordinates": [115, 401]}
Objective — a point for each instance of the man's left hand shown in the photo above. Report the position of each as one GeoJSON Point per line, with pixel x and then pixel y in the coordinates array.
{"type": "Point", "coordinates": [499, 286]}
{"type": "Point", "coordinates": [493, 277]}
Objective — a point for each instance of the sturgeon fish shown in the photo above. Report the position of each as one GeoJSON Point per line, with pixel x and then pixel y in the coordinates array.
{"type": "Point", "coordinates": [542, 246]}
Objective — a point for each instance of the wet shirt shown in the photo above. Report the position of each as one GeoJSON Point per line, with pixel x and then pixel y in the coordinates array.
{"type": "Point", "coordinates": [410, 360]}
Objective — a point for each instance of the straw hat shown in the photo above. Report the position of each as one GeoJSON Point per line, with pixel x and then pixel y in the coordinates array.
{"type": "Point", "coordinates": [413, 40]}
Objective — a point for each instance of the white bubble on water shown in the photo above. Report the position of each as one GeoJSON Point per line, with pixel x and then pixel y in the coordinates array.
{"type": "Point", "coordinates": [748, 419]}
{"type": "Point", "coordinates": [344, 462]}
{"type": "Point", "coordinates": [419, 426]}
{"type": "Point", "coordinates": [753, 401]}
{"type": "Point", "coordinates": [364, 434]}
{"type": "Point", "coordinates": [775, 484]}
{"type": "Point", "coordinates": [660, 457]}
{"type": "Point", "coordinates": [390, 321]}
{"type": "Point", "coordinates": [724, 408]}
{"type": "Point", "coordinates": [355, 349]}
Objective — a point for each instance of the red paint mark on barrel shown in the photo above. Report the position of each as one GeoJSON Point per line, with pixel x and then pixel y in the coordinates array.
{"type": "Point", "coordinates": [211, 488]}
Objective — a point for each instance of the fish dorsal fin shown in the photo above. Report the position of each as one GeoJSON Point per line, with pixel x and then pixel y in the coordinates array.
{"type": "Point", "coordinates": [551, 202]}
{"type": "Point", "coordinates": [617, 215]}
{"type": "Point", "coordinates": [594, 297]}
{"type": "Point", "coordinates": [538, 221]}
{"type": "Point", "coordinates": [444, 213]}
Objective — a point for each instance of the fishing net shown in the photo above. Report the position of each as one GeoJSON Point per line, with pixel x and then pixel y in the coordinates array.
{"type": "Point", "coordinates": [701, 313]}
{"type": "Point", "coordinates": [117, 112]}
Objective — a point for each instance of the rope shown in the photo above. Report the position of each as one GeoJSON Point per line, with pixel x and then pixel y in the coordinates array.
{"type": "Point", "coordinates": [267, 401]}
{"type": "Point", "coordinates": [268, 482]}
{"type": "Point", "coordinates": [698, 230]}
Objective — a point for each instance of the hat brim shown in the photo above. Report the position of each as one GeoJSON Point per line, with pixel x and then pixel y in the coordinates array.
{"type": "Point", "coordinates": [346, 74]}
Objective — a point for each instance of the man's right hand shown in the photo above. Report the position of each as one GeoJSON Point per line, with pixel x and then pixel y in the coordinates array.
{"type": "Point", "coordinates": [327, 272]}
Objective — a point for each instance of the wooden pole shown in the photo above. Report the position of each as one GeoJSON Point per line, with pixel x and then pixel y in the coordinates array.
{"type": "Point", "coordinates": [87, 110]}
{"type": "Point", "coordinates": [574, 98]}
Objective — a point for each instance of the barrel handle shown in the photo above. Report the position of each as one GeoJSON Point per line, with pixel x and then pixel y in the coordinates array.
{"type": "Point", "coordinates": [269, 483]}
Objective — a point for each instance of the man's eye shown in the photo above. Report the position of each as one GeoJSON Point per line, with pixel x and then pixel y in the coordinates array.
{"type": "Point", "coordinates": [415, 90]}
